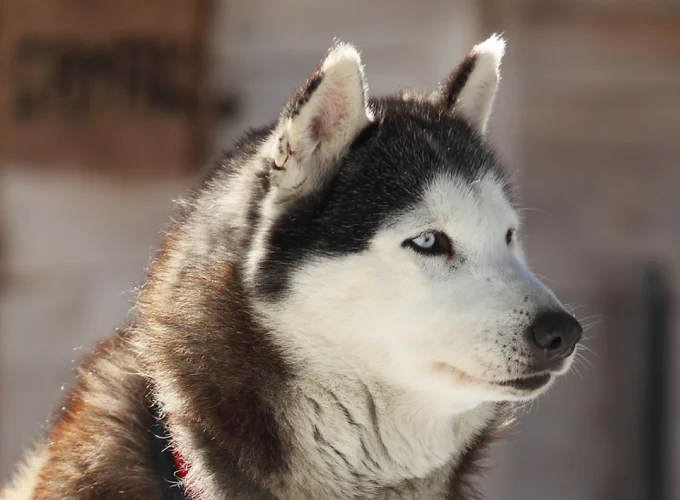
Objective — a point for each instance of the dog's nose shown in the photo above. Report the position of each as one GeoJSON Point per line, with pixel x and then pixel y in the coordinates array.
{"type": "Point", "coordinates": [555, 334]}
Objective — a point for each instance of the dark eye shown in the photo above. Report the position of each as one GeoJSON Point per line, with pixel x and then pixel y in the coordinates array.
{"type": "Point", "coordinates": [431, 243]}
{"type": "Point", "coordinates": [509, 236]}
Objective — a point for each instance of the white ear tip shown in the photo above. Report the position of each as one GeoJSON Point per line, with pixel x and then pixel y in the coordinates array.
{"type": "Point", "coordinates": [491, 49]}
{"type": "Point", "coordinates": [340, 55]}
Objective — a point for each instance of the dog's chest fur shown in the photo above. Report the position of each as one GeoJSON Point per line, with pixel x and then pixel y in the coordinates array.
{"type": "Point", "coordinates": [349, 441]}
{"type": "Point", "coordinates": [357, 440]}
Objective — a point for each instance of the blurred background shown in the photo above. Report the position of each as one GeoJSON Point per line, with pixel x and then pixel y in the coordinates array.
{"type": "Point", "coordinates": [109, 109]}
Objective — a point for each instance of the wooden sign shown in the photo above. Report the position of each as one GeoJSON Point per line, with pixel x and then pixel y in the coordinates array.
{"type": "Point", "coordinates": [102, 84]}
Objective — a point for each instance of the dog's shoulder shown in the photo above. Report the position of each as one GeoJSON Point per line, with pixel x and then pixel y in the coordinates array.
{"type": "Point", "coordinates": [97, 442]}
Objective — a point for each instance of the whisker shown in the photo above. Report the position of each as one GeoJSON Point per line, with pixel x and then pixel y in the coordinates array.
{"type": "Point", "coordinates": [531, 405]}
{"type": "Point", "coordinates": [584, 347]}
{"type": "Point", "coordinates": [544, 278]}
{"type": "Point", "coordinates": [598, 317]}
{"type": "Point", "coordinates": [578, 372]}
{"type": "Point", "coordinates": [580, 358]}
{"type": "Point", "coordinates": [532, 209]}
{"type": "Point", "coordinates": [572, 309]}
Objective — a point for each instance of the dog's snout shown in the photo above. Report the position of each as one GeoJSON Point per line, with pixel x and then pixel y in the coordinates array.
{"type": "Point", "coordinates": [554, 335]}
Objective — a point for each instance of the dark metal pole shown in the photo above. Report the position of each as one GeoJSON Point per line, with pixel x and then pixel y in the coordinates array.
{"type": "Point", "coordinates": [655, 451]}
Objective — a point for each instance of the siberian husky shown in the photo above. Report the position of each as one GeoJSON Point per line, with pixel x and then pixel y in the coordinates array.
{"type": "Point", "coordinates": [340, 310]}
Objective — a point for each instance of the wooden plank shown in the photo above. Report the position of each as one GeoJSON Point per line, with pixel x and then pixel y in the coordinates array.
{"type": "Point", "coordinates": [102, 84]}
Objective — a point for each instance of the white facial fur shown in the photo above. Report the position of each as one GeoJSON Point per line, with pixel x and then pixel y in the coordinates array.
{"type": "Point", "coordinates": [449, 328]}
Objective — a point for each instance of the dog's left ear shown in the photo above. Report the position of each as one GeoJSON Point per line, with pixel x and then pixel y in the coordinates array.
{"type": "Point", "coordinates": [319, 123]}
{"type": "Point", "coordinates": [471, 88]}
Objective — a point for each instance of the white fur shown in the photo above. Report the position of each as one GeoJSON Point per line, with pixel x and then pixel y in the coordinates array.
{"type": "Point", "coordinates": [475, 100]}
{"type": "Point", "coordinates": [412, 437]}
{"type": "Point", "coordinates": [409, 316]}
{"type": "Point", "coordinates": [26, 479]}
{"type": "Point", "coordinates": [429, 338]}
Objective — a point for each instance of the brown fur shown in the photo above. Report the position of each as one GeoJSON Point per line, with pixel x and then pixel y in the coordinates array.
{"type": "Point", "coordinates": [97, 444]}
{"type": "Point", "coordinates": [227, 392]}
{"type": "Point", "coordinates": [197, 333]}
{"type": "Point", "coordinates": [232, 411]}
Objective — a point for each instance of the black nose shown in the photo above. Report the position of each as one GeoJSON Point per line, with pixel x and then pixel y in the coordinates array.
{"type": "Point", "coordinates": [555, 334]}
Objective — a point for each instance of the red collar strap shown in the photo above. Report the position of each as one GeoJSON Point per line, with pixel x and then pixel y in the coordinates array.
{"type": "Point", "coordinates": [181, 467]}
{"type": "Point", "coordinates": [170, 465]}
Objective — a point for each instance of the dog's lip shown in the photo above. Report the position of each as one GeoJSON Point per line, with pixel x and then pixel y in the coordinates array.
{"type": "Point", "coordinates": [527, 383]}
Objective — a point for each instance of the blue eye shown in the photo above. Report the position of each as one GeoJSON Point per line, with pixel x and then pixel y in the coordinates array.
{"type": "Point", "coordinates": [425, 241]}
{"type": "Point", "coordinates": [430, 243]}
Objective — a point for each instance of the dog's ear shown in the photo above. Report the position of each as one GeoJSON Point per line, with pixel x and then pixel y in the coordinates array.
{"type": "Point", "coordinates": [471, 88]}
{"type": "Point", "coordinates": [320, 122]}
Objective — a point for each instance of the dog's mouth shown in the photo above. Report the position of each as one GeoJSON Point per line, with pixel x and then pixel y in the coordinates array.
{"type": "Point", "coordinates": [527, 384]}
{"type": "Point", "coordinates": [521, 386]}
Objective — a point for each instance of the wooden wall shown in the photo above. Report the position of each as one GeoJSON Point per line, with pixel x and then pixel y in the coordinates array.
{"type": "Point", "coordinates": [598, 100]}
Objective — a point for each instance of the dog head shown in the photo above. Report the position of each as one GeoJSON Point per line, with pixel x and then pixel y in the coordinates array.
{"type": "Point", "coordinates": [388, 238]}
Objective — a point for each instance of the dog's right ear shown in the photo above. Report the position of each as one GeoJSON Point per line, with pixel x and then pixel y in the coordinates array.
{"type": "Point", "coordinates": [320, 122]}
{"type": "Point", "coordinates": [471, 88]}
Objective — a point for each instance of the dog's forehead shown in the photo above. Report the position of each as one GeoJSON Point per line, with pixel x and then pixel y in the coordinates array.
{"type": "Point", "coordinates": [473, 213]}
{"type": "Point", "coordinates": [454, 199]}
{"type": "Point", "coordinates": [420, 155]}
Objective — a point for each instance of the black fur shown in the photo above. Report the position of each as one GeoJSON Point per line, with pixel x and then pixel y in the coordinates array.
{"type": "Point", "coordinates": [196, 332]}
{"type": "Point", "coordinates": [457, 80]}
